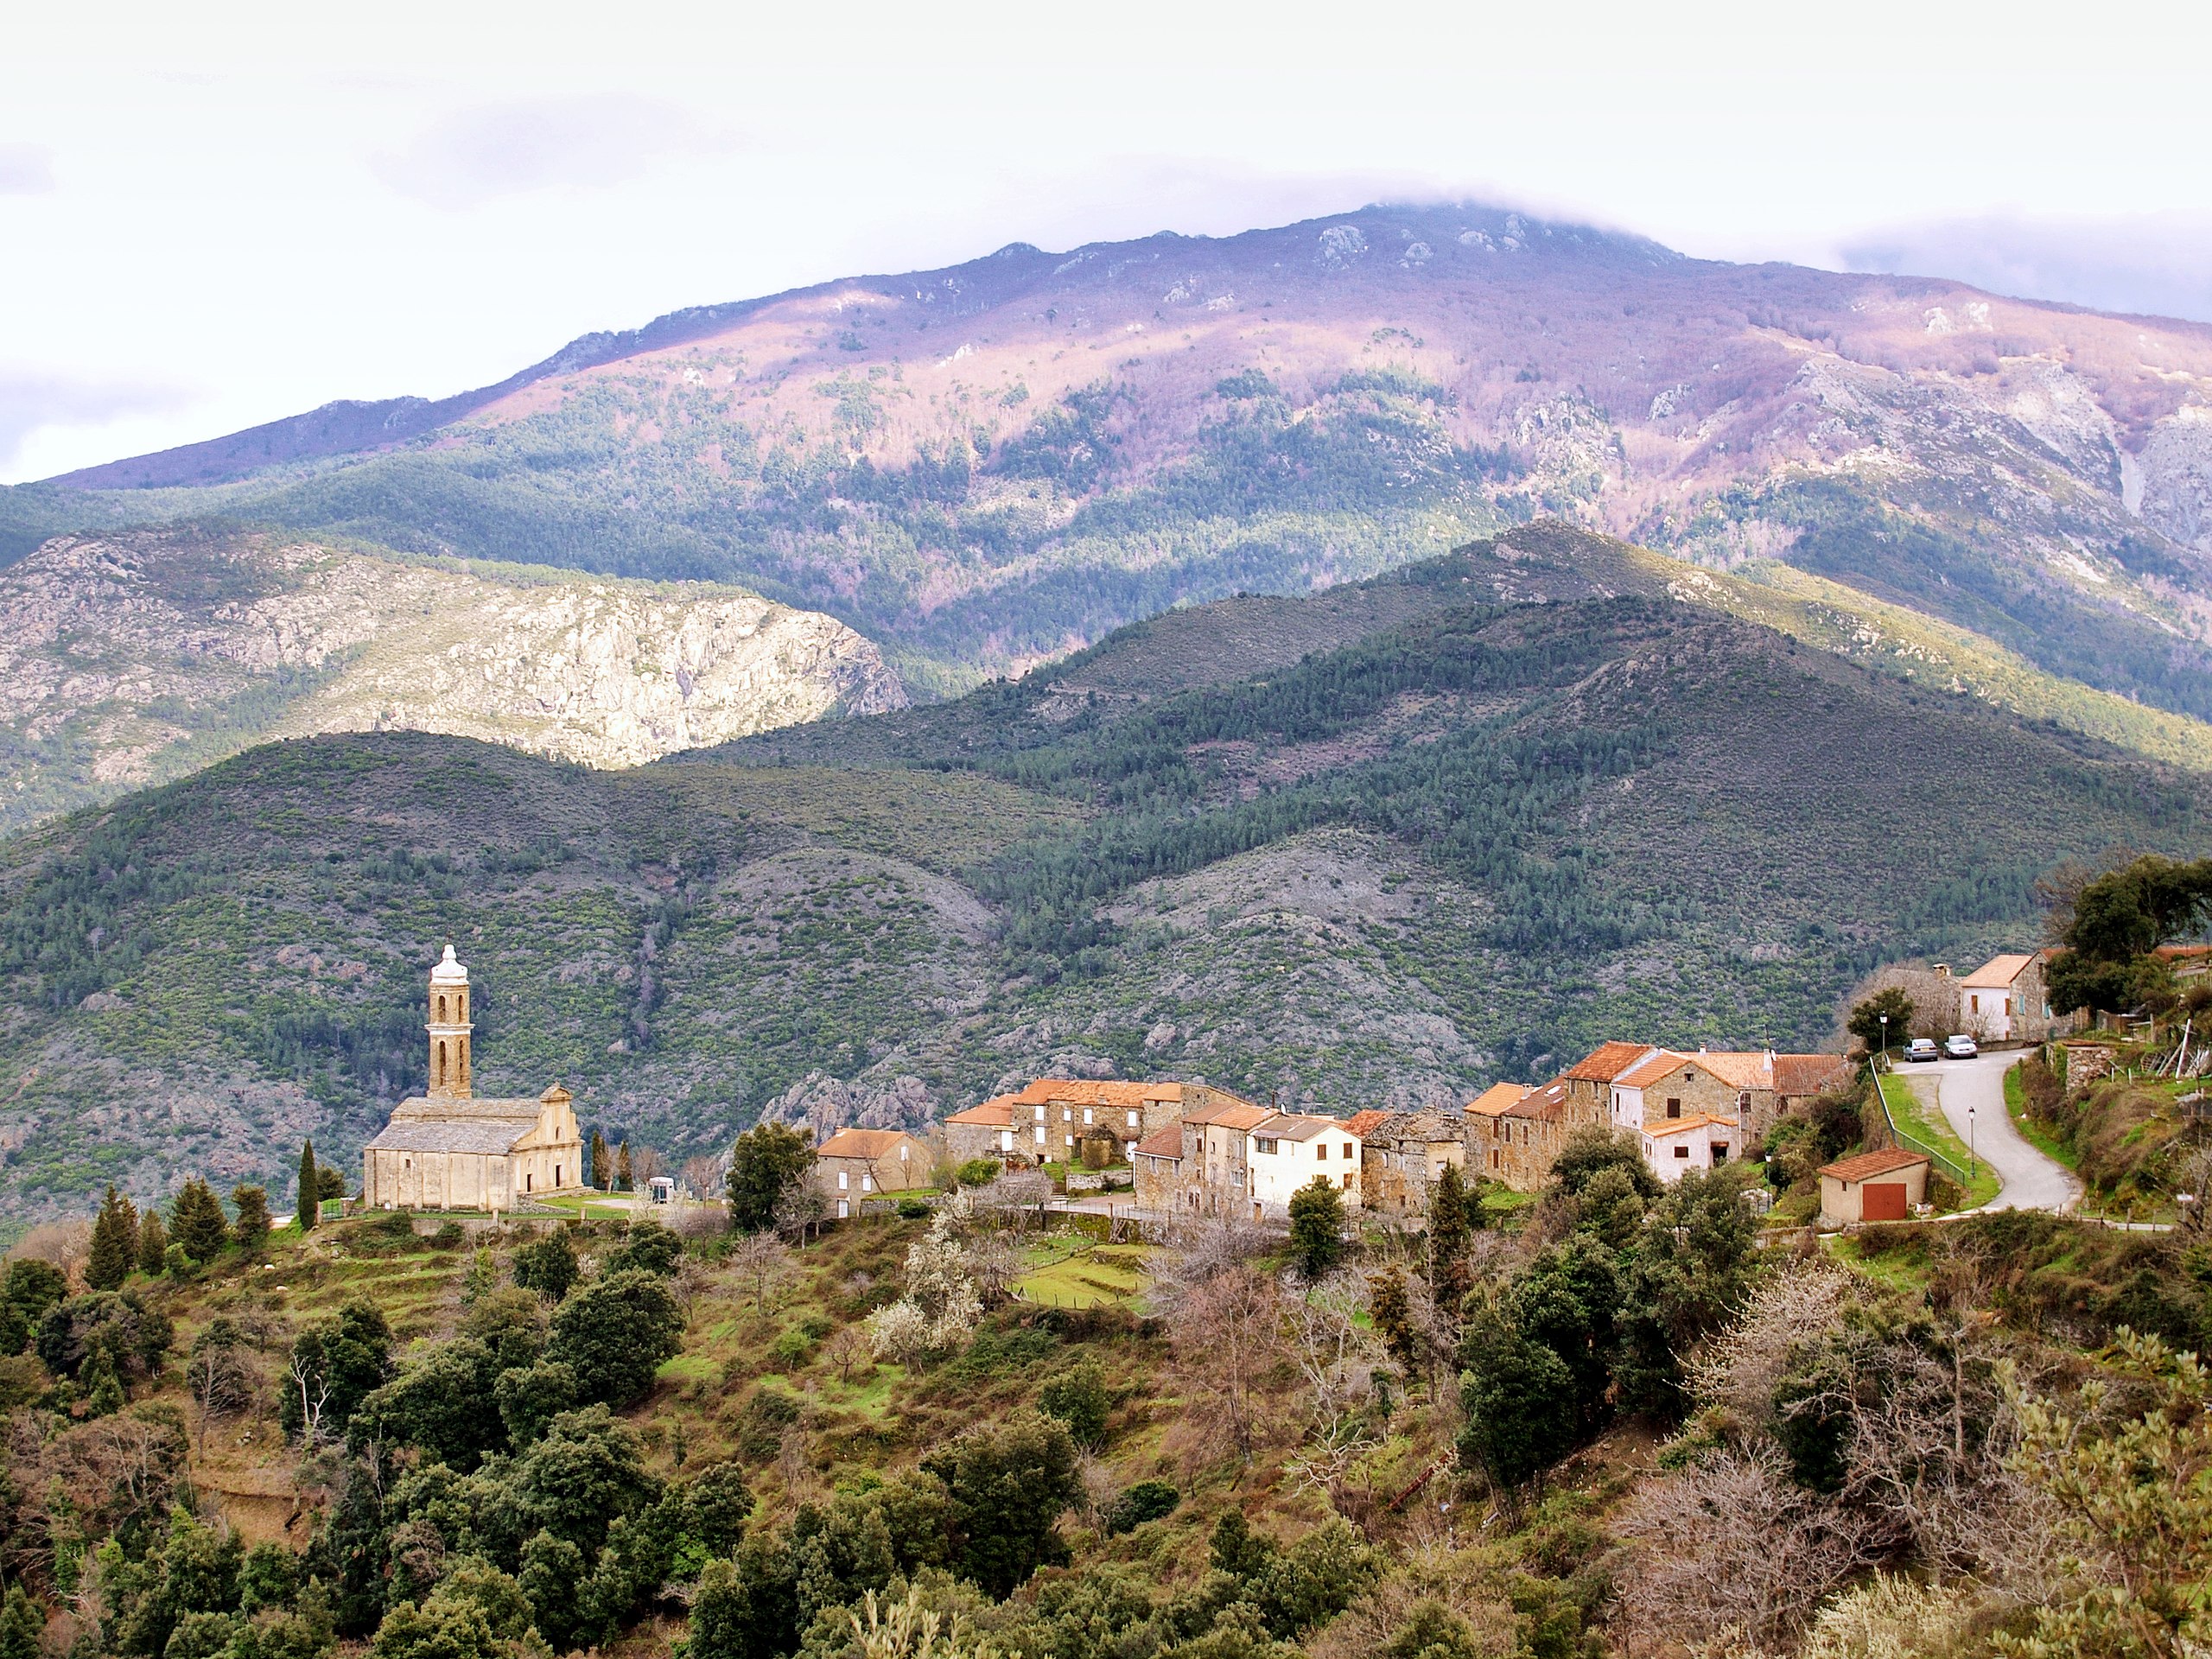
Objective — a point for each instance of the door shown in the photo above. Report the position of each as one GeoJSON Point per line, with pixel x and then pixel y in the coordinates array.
{"type": "Point", "coordinates": [1882, 1201]}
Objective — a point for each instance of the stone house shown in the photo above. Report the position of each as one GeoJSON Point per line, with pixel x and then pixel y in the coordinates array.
{"type": "Point", "coordinates": [1401, 1154]}
{"type": "Point", "coordinates": [452, 1149]}
{"type": "Point", "coordinates": [1289, 1150]}
{"type": "Point", "coordinates": [984, 1131]}
{"type": "Point", "coordinates": [1216, 1173]}
{"type": "Point", "coordinates": [856, 1164]}
{"type": "Point", "coordinates": [1882, 1185]}
{"type": "Point", "coordinates": [1933, 992]}
{"type": "Point", "coordinates": [1156, 1171]}
{"type": "Point", "coordinates": [2005, 1001]}
{"type": "Point", "coordinates": [1049, 1120]}
{"type": "Point", "coordinates": [1589, 1081]}
{"type": "Point", "coordinates": [1751, 1088]}
{"type": "Point", "coordinates": [1514, 1135]}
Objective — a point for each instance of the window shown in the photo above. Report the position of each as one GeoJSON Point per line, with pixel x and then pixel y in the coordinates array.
{"type": "Point", "coordinates": [1040, 1134]}
{"type": "Point", "coordinates": [1133, 1120]}
{"type": "Point", "coordinates": [1743, 1099]}
{"type": "Point", "coordinates": [902, 1155]}
{"type": "Point", "coordinates": [1497, 1158]}
{"type": "Point", "coordinates": [1264, 1145]}
{"type": "Point", "coordinates": [1682, 1151]}
{"type": "Point", "coordinates": [1086, 1115]}
{"type": "Point", "coordinates": [867, 1183]}
{"type": "Point", "coordinates": [1239, 1177]}
{"type": "Point", "coordinates": [556, 1178]}
{"type": "Point", "coordinates": [1720, 1152]}
{"type": "Point", "coordinates": [1041, 1114]}
{"type": "Point", "coordinates": [1067, 1114]}
{"type": "Point", "coordinates": [529, 1183]}
{"type": "Point", "coordinates": [1673, 1108]}
{"type": "Point", "coordinates": [844, 1181]}
{"type": "Point", "coordinates": [1006, 1140]}
{"type": "Point", "coordinates": [1321, 1150]}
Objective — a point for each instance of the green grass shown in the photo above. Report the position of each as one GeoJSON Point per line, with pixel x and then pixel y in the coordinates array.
{"type": "Point", "coordinates": [1087, 1275]}
{"type": "Point", "coordinates": [1928, 1126]}
{"type": "Point", "coordinates": [2015, 1108]}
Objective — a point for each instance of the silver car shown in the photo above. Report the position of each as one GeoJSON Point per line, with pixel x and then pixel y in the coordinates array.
{"type": "Point", "coordinates": [1961, 1047]}
{"type": "Point", "coordinates": [1922, 1048]}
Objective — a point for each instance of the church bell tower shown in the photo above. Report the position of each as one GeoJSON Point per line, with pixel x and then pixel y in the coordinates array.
{"type": "Point", "coordinates": [449, 1028]}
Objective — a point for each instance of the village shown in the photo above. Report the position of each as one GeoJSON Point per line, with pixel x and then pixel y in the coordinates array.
{"type": "Point", "coordinates": [1160, 1152]}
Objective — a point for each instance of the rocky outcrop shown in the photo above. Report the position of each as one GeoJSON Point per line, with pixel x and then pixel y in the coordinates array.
{"type": "Point", "coordinates": [128, 659]}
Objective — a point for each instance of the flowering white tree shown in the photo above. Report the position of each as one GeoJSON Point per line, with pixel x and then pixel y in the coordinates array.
{"type": "Point", "coordinates": [941, 1305]}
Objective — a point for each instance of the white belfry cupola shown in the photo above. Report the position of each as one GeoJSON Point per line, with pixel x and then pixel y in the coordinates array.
{"type": "Point", "coordinates": [449, 1028]}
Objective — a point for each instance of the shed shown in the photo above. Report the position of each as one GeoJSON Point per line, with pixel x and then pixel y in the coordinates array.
{"type": "Point", "coordinates": [1873, 1186]}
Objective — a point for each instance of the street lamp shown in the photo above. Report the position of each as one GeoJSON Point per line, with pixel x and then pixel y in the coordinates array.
{"type": "Point", "coordinates": [1973, 1168]}
{"type": "Point", "coordinates": [1885, 1038]}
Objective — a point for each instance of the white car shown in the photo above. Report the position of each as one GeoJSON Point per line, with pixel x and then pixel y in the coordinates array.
{"type": "Point", "coordinates": [1961, 1047]}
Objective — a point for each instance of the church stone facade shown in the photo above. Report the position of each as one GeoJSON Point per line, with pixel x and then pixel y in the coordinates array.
{"type": "Point", "coordinates": [449, 1150]}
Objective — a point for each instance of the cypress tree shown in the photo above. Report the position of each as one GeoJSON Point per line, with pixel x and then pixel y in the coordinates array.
{"type": "Point", "coordinates": [197, 1222]}
{"type": "Point", "coordinates": [622, 1168]}
{"type": "Point", "coordinates": [153, 1243]}
{"type": "Point", "coordinates": [1450, 1224]}
{"type": "Point", "coordinates": [602, 1167]}
{"type": "Point", "coordinates": [252, 1204]}
{"type": "Point", "coordinates": [310, 1187]}
{"type": "Point", "coordinates": [115, 1244]}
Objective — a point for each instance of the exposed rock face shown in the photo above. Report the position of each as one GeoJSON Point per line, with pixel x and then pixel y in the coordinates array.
{"type": "Point", "coordinates": [131, 658]}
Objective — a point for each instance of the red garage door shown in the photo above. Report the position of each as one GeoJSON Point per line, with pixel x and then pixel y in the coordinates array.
{"type": "Point", "coordinates": [1883, 1201]}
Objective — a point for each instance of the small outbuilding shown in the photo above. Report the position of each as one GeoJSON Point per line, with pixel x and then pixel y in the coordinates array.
{"type": "Point", "coordinates": [855, 1164]}
{"type": "Point", "coordinates": [1873, 1186]}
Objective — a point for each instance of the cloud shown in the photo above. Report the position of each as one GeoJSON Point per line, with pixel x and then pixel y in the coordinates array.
{"type": "Point", "coordinates": [31, 401]}
{"type": "Point", "coordinates": [2153, 266]}
{"type": "Point", "coordinates": [494, 150]}
{"type": "Point", "coordinates": [26, 170]}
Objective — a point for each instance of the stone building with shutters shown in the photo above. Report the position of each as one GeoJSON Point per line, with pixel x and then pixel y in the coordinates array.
{"type": "Point", "coordinates": [451, 1149]}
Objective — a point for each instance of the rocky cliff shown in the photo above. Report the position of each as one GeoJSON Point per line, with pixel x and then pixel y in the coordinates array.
{"type": "Point", "coordinates": [130, 659]}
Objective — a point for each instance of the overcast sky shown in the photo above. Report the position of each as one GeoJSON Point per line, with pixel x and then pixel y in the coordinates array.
{"type": "Point", "coordinates": [217, 214]}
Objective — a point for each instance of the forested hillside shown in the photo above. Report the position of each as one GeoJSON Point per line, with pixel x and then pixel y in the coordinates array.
{"type": "Point", "coordinates": [1458, 839]}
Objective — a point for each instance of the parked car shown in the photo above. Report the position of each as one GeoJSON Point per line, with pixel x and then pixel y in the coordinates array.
{"type": "Point", "coordinates": [1922, 1048]}
{"type": "Point", "coordinates": [1961, 1047]}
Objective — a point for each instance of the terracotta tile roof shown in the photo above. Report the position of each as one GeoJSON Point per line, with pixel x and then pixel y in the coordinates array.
{"type": "Point", "coordinates": [1659, 1062]}
{"type": "Point", "coordinates": [861, 1143]}
{"type": "Point", "coordinates": [1546, 1105]}
{"type": "Point", "coordinates": [1607, 1062]}
{"type": "Point", "coordinates": [1809, 1074]}
{"type": "Point", "coordinates": [1736, 1069]}
{"type": "Point", "coordinates": [1671, 1126]}
{"type": "Point", "coordinates": [1364, 1124]}
{"type": "Point", "coordinates": [996, 1113]}
{"type": "Point", "coordinates": [1497, 1100]}
{"type": "Point", "coordinates": [1997, 973]}
{"type": "Point", "coordinates": [1162, 1143]}
{"type": "Point", "coordinates": [1085, 1091]}
{"type": "Point", "coordinates": [1867, 1164]}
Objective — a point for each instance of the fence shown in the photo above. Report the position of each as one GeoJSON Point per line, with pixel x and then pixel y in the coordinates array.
{"type": "Point", "coordinates": [1950, 1167]}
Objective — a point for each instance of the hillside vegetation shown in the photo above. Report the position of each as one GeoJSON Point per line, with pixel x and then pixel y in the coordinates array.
{"type": "Point", "coordinates": [1459, 840]}
{"type": "Point", "coordinates": [864, 1444]}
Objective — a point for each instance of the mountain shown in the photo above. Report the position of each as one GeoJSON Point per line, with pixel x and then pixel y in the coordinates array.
{"type": "Point", "coordinates": [133, 657]}
{"type": "Point", "coordinates": [983, 467]}
{"type": "Point", "coordinates": [1384, 844]}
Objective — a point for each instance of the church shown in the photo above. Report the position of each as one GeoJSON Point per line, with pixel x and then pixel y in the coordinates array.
{"type": "Point", "coordinates": [449, 1150]}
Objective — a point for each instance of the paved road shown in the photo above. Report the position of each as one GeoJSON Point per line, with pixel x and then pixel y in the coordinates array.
{"type": "Point", "coordinates": [2031, 1180]}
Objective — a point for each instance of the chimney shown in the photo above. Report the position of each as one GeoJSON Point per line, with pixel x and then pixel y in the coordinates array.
{"type": "Point", "coordinates": [1942, 970]}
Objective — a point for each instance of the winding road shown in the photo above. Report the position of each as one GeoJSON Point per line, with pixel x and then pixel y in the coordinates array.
{"type": "Point", "coordinates": [2031, 1181]}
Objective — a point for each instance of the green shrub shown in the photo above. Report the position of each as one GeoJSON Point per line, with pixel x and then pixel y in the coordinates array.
{"type": "Point", "coordinates": [913, 1208]}
{"type": "Point", "coordinates": [1149, 1500]}
{"type": "Point", "coordinates": [977, 1172]}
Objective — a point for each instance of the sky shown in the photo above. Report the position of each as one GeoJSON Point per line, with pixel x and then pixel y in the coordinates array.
{"type": "Point", "coordinates": [216, 215]}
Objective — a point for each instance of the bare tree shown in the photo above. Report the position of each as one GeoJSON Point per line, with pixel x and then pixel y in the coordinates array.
{"type": "Point", "coordinates": [847, 1347]}
{"type": "Point", "coordinates": [1734, 1556]}
{"type": "Point", "coordinates": [1224, 1331]}
{"type": "Point", "coordinates": [762, 1260]}
{"type": "Point", "coordinates": [645, 1164]}
{"type": "Point", "coordinates": [706, 1174]}
{"type": "Point", "coordinates": [994, 1264]}
{"type": "Point", "coordinates": [310, 1381]}
{"type": "Point", "coordinates": [799, 1210]}
{"type": "Point", "coordinates": [1741, 1366]}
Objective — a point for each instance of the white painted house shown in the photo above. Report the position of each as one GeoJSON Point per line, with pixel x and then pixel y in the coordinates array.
{"type": "Point", "coordinates": [1285, 1151]}
{"type": "Point", "coordinates": [1675, 1146]}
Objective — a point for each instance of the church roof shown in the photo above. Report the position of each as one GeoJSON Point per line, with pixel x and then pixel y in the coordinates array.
{"type": "Point", "coordinates": [450, 971]}
{"type": "Point", "coordinates": [487, 1134]}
